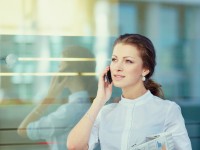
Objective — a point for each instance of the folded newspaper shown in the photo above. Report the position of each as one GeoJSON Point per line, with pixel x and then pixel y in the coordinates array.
{"type": "Point", "coordinates": [162, 141]}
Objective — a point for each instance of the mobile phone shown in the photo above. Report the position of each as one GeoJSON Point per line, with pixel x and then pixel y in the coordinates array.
{"type": "Point", "coordinates": [108, 77]}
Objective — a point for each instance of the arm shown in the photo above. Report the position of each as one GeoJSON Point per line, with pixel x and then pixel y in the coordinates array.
{"type": "Point", "coordinates": [36, 113]}
{"type": "Point", "coordinates": [176, 125]}
{"type": "Point", "coordinates": [79, 136]}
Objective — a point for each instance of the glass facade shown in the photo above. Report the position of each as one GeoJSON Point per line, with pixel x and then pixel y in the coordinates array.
{"type": "Point", "coordinates": [33, 43]}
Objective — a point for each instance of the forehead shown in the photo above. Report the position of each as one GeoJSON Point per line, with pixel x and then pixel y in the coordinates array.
{"type": "Point", "coordinates": [126, 50]}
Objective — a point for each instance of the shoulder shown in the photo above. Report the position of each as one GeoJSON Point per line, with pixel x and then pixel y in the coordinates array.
{"type": "Point", "coordinates": [68, 107]}
{"type": "Point", "coordinates": [170, 111]}
{"type": "Point", "coordinates": [166, 105]}
{"type": "Point", "coordinates": [165, 102]}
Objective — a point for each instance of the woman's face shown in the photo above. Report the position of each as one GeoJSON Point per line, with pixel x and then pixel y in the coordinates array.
{"type": "Point", "coordinates": [127, 66]}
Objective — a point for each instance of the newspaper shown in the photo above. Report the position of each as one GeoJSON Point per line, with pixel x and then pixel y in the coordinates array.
{"type": "Point", "coordinates": [162, 141]}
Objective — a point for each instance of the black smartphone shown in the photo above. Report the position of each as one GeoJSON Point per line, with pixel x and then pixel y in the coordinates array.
{"type": "Point", "coordinates": [108, 77]}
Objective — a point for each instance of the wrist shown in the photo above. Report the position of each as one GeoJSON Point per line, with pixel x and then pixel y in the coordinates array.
{"type": "Point", "coordinates": [51, 95]}
{"type": "Point", "coordinates": [99, 101]}
{"type": "Point", "coordinates": [48, 100]}
{"type": "Point", "coordinates": [38, 113]}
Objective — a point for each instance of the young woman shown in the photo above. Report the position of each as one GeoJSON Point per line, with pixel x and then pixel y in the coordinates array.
{"type": "Point", "coordinates": [55, 126]}
{"type": "Point", "coordinates": [140, 113]}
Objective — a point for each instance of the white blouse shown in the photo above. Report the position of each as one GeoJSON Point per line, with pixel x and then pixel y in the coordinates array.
{"type": "Point", "coordinates": [55, 127]}
{"type": "Point", "coordinates": [121, 125]}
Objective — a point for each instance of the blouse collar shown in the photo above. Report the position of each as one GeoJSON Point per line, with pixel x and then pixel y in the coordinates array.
{"type": "Point", "coordinates": [79, 97]}
{"type": "Point", "coordinates": [138, 101]}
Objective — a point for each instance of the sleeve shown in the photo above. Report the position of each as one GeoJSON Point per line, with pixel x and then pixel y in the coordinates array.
{"type": "Point", "coordinates": [41, 129]}
{"type": "Point", "coordinates": [59, 122]}
{"type": "Point", "coordinates": [175, 124]}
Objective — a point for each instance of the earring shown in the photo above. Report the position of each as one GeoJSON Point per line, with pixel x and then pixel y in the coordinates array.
{"type": "Point", "coordinates": [143, 78]}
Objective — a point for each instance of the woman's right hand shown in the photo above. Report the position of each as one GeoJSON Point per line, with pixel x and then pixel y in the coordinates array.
{"type": "Point", "coordinates": [104, 91]}
{"type": "Point", "coordinates": [56, 87]}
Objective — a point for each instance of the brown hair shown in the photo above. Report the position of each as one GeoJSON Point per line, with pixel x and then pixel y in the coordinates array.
{"type": "Point", "coordinates": [75, 51]}
{"type": "Point", "coordinates": [148, 55]}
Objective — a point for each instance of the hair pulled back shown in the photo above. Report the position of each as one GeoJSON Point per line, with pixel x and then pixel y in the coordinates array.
{"type": "Point", "coordinates": [75, 51]}
{"type": "Point", "coordinates": [148, 55]}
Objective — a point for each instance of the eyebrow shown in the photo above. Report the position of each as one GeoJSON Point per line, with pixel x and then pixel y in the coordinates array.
{"type": "Point", "coordinates": [124, 56]}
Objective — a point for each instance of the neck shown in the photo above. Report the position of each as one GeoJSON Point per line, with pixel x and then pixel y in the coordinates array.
{"type": "Point", "coordinates": [77, 86]}
{"type": "Point", "coordinates": [133, 92]}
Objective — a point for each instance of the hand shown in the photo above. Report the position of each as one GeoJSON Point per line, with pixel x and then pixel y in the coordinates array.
{"type": "Point", "coordinates": [104, 91]}
{"type": "Point", "coordinates": [56, 87]}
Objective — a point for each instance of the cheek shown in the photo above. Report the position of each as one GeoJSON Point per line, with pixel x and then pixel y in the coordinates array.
{"type": "Point", "coordinates": [111, 67]}
{"type": "Point", "coordinates": [129, 70]}
{"type": "Point", "coordinates": [134, 72]}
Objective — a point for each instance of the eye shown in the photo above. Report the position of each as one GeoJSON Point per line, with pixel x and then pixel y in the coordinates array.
{"type": "Point", "coordinates": [114, 59]}
{"type": "Point", "coordinates": [129, 61]}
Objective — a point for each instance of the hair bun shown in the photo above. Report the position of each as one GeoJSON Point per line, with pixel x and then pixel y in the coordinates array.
{"type": "Point", "coordinates": [154, 87]}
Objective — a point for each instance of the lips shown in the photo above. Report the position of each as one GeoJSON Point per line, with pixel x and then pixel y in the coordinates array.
{"type": "Point", "coordinates": [118, 77]}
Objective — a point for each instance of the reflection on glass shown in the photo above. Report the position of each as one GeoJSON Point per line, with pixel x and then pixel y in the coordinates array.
{"type": "Point", "coordinates": [54, 127]}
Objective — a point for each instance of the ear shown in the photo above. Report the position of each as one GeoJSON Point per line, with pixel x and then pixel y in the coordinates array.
{"type": "Point", "coordinates": [145, 72]}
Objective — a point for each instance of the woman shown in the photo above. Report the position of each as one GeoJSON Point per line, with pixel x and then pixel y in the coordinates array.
{"type": "Point", "coordinates": [140, 113]}
{"type": "Point", "coordinates": [55, 126]}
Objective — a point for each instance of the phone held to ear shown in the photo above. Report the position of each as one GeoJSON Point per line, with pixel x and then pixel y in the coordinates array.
{"type": "Point", "coordinates": [108, 77]}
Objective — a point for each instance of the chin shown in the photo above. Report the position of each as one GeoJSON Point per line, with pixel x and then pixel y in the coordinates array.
{"type": "Point", "coordinates": [119, 85]}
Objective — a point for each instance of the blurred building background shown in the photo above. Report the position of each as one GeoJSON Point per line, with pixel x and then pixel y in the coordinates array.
{"type": "Point", "coordinates": [36, 31]}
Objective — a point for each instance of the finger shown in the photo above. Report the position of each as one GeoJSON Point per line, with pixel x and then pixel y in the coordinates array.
{"type": "Point", "coordinates": [53, 79]}
{"type": "Point", "coordinates": [64, 81]}
{"type": "Point", "coordinates": [104, 72]}
{"type": "Point", "coordinates": [102, 82]}
{"type": "Point", "coordinates": [110, 86]}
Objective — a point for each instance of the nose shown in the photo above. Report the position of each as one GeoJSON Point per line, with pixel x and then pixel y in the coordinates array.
{"type": "Point", "coordinates": [119, 66]}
